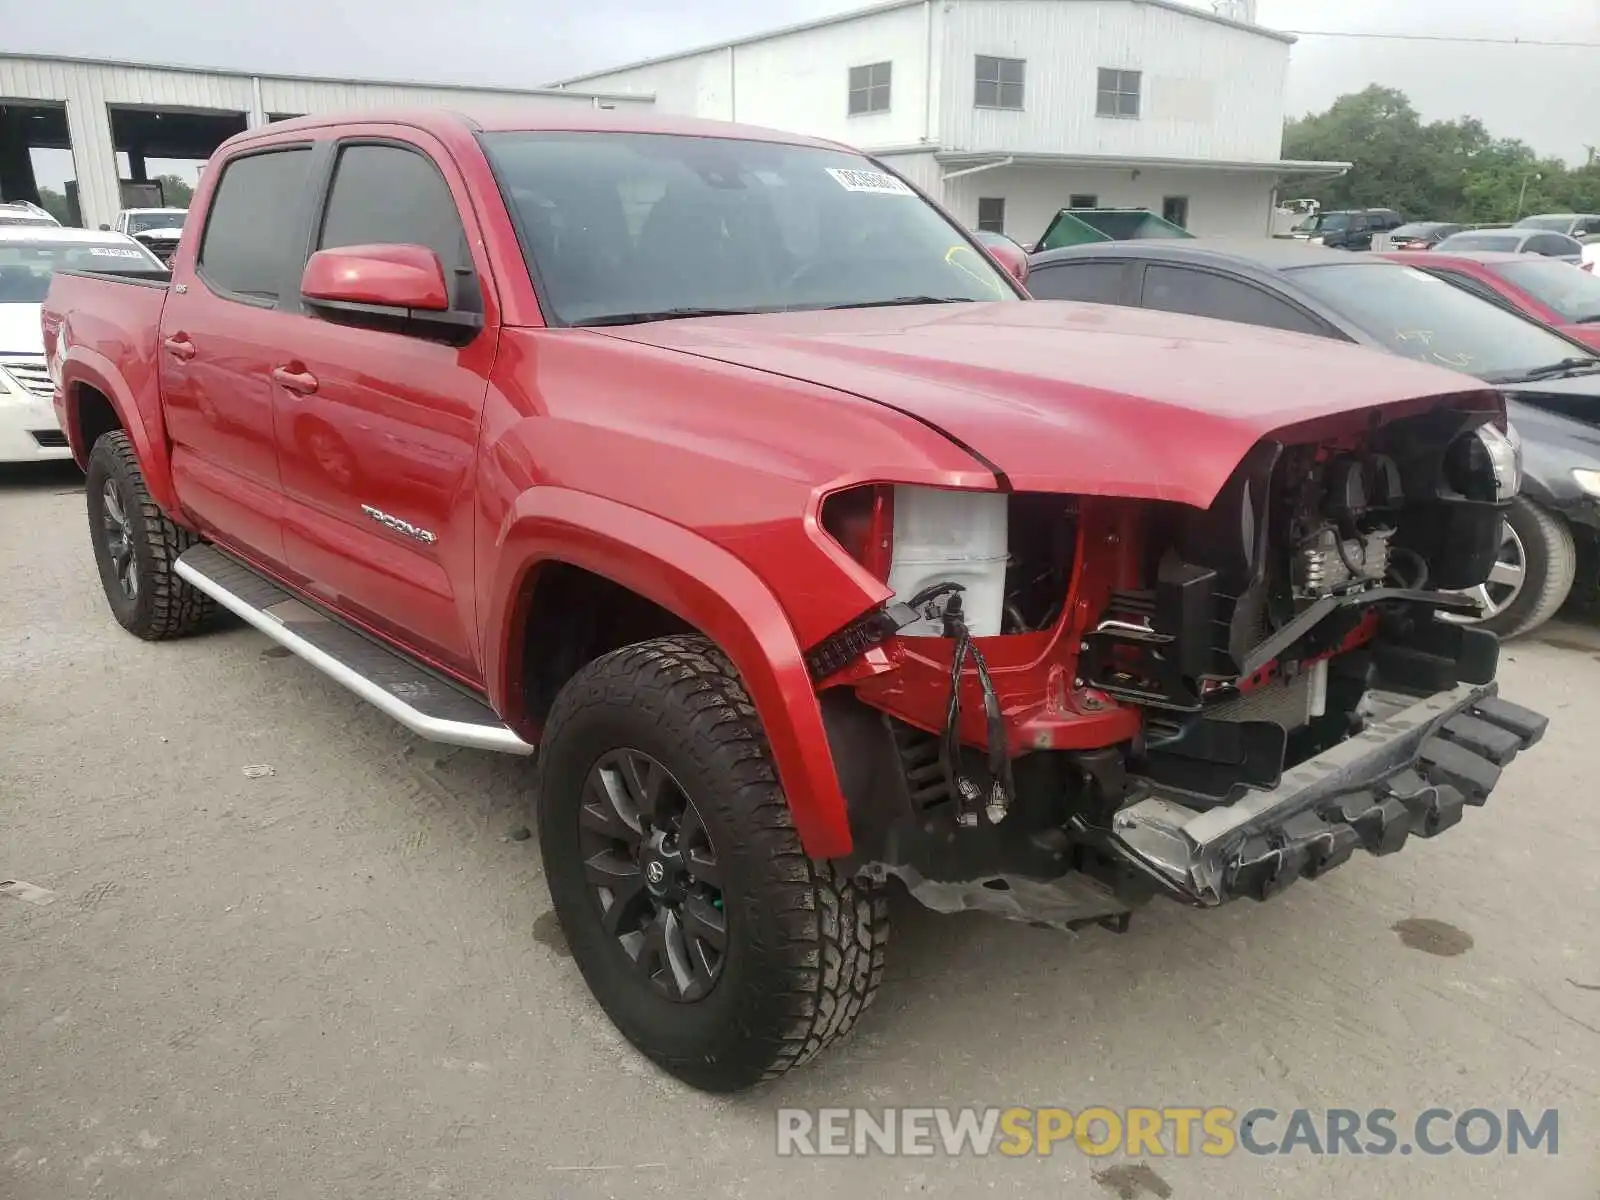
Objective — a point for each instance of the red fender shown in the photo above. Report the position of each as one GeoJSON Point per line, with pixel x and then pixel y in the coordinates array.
{"type": "Point", "coordinates": [706, 586]}
{"type": "Point", "coordinates": [85, 366]}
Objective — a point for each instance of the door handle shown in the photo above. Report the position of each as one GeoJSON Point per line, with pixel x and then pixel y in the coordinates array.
{"type": "Point", "coordinates": [180, 347]}
{"type": "Point", "coordinates": [303, 382]}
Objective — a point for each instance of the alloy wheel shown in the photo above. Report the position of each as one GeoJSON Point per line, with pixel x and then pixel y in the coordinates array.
{"type": "Point", "coordinates": [118, 533]}
{"type": "Point", "coordinates": [1505, 582]}
{"type": "Point", "coordinates": [653, 871]}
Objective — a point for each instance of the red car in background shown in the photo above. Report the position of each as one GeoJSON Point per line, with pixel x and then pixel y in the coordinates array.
{"type": "Point", "coordinates": [1546, 289]}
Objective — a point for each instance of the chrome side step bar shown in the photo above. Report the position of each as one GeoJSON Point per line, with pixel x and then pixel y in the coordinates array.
{"type": "Point", "coordinates": [424, 703]}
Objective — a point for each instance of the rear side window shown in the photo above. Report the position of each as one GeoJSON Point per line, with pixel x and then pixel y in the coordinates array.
{"type": "Point", "coordinates": [249, 243]}
{"type": "Point", "coordinates": [1553, 244]}
{"type": "Point", "coordinates": [1097, 282]}
{"type": "Point", "coordinates": [1180, 290]}
{"type": "Point", "coordinates": [386, 195]}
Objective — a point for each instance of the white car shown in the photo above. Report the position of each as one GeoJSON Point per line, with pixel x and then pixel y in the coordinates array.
{"type": "Point", "coordinates": [29, 255]}
{"type": "Point", "coordinates": [20, 212]}
{"type": "Point", "coordinates": [157, 229]}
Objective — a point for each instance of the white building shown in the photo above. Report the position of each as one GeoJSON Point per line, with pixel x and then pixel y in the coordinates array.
{"type": "Point", "coordinates": [115, 117]}
{"type": "Point", "coordinates": [1008, 110]}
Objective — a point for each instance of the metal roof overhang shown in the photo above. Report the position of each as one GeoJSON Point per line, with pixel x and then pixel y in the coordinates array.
{"type": "Point", "coordinates": [964, 162]}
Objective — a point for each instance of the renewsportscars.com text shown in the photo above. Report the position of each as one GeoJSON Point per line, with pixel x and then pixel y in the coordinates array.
{"type": "Point", "coordinates": [1161, 1132]}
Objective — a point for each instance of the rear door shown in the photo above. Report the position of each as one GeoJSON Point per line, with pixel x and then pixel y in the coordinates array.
{"type": "Point", "coordinates": [377, 429]}
{"type": "Point", "coordinates": [218, 329]}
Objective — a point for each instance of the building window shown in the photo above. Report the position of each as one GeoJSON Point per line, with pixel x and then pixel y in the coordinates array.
{"type": "Point", "coordinates": [1083, 200]}
{"type": "Point", "coordinates": [869, 88]}
{"type": "Point", "coordinates": [991, 214]}
{"type": "Point", "coordinates": [1118, 95]}
{"type": "Point", "coordinates": [1176, 210]}
{"type": "Point", "coordinates": [999, 82]}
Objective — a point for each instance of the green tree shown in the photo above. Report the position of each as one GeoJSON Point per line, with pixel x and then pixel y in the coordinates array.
{"type": "Point", "coordinates": [175, 191]}
{"type": "Point", "coordinates": [55, 203]}
{"type": "Point", "coordinates": [1441, 170]}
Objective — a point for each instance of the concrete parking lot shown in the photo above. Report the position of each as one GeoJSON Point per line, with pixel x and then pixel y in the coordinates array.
{"type": "Point", "coordinates": [293, 952]}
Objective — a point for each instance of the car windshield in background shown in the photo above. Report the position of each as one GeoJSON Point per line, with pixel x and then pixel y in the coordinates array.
{"type": "Point", "coordinates": [1482, 241]}
{"type": "Point", "coordinates": [1421, 317]}
{"type": "Point", "coordinates": [143, 222]}
{"type": "Point", "coordinates": [623, 227]}
{"type": "Point", "coordinates": [1419, 229]}
{"type": "Point", "coordinates": [1327, 223]}
{"type": "Point", "coordinates": [1573, 293]}
{"type": "Point", "coordinates": [26, 267]}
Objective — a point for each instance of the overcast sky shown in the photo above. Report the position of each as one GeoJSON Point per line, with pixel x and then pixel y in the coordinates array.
{"type": "Point", "coordinates": [1549, 97]}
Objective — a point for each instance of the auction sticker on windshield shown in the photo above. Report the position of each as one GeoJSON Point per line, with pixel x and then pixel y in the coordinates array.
{"type": "Point", "coordinates": [114, 252]}
{"type": "Point", "coordinates": [869, 181]}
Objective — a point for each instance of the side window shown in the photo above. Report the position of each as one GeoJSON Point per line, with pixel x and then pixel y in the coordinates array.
{"type": "Point", "coordinates": [249, 241]}
{"type": "Point", "coordinates": [1181, 290]}
{"type": "Point", "coordinates": [389, 195]}
{"type": "Point", "coordinates": [1097, 282]}
{"type": "Point", "coordinates": [1359, 223]}
{"type": "Point", "coordinates": [1549, 244]}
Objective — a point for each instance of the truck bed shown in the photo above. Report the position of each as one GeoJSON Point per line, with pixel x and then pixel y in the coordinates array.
{"type": "Point", "coordinates": [113, 325]}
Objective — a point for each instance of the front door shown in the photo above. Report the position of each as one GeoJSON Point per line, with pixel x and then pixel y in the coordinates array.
{"type": "Point", "coordinates": [377, 430]}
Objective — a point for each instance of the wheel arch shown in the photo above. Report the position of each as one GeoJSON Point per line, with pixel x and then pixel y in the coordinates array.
{"type": "Point", "coordinates": [95, 393]}
{"type": "Point", "coordinates": [552, 533]}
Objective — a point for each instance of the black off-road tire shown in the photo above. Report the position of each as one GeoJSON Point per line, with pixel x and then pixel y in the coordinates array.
{"type": "Point", "coordinates": [805, 943]}
{"type": "Point", "coordinates": [1550, 564]}
{"type": "Point", "coordinates": [164, 606]}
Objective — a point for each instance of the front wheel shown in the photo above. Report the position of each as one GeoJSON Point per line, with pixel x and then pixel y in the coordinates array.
{"type": "Point", "coordinates": [711, 940]}
{"type": "Point", "coordinates": [1532, 574]}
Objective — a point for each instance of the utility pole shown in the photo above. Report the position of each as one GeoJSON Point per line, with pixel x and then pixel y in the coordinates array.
{"type": "Point", "coordinates": [1523, 194]}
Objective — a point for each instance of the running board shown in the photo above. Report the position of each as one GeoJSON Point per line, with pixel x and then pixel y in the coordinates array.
{"type": "Point", "coordinates": [420, 700]}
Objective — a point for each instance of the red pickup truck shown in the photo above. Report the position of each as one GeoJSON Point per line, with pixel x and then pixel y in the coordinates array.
{"type": "Point", "coordinates": [726, 469]}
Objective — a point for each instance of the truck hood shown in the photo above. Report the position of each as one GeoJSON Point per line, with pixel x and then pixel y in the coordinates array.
{"type": "Point", "coordinates": [19, 329]}
{"type": "Point", "coordinates": [1072, 397]}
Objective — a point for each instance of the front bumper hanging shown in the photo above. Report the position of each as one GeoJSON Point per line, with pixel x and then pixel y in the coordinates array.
{"type": "Point", "coordinates": [1412, 770]}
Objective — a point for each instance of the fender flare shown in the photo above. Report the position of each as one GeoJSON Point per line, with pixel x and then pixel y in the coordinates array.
{"type": "Point", "coordinates": [704, 585]}
{"type": "Point", "coordinates": [85, 366]}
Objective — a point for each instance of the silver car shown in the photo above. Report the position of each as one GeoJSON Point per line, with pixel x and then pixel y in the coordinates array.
{"type": "Point", "coordinates": [1516, 241]}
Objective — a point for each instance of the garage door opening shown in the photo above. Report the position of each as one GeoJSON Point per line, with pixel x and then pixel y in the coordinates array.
{"type": "Point", "coordinates": [36, 158]}
{"type": "Point", "coordinates": [160, 151]}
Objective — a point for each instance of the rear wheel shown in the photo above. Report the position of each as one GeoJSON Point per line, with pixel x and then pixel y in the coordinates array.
{"type": "Point", "coordinates": [1532, 574]}
{"type": "Point", "coordinates": [711, 940]}
{"type": "Point", "coordinates": [136, 545]}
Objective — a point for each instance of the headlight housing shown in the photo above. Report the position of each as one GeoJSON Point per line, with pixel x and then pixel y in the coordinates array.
{"type": "Point", "coordinates": [1589, 481]}
{"type": "Point", "coordinates": [1486, 464]}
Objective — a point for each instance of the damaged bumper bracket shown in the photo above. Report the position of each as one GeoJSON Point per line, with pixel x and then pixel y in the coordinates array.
{"type": "Point", "coordinates": [1413, 770]}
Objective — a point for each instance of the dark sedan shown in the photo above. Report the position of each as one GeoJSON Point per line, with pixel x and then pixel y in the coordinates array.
{"type": "Point", "coordinates": [1552, 383]}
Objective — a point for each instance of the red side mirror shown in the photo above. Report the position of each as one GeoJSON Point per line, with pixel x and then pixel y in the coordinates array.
{"type": "Point", "coordinates": [409, 277]}
{"type": "Point", "coordinates": [1011, 257]}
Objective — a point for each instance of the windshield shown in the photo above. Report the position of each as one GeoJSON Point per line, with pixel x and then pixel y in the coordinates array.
{"type": "Point", "coordinates": [25, 267]}
{"type": "Point", "coordinates": [629, 225]}
{"type": "Point", "coordinates": [140, 222]}
{"type": "Point", "coordinates": [1573, 293]}
{"type": "Point", "coordinates": [1326, 223]}
{"type": "Point", "coordinates": [1558, 223]}
{"type": "Point", "coordinates": [1482, 241]}
{"type": "Point", "coordinates": [1419, 229]}
{"type": "Point", "coordinates": [1421, 317]}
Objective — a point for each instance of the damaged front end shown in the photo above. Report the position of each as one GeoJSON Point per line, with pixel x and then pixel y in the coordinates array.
{"type": "Point", "coordinates": [1077, 703]}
